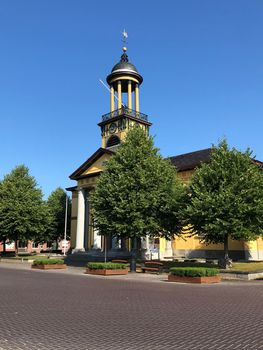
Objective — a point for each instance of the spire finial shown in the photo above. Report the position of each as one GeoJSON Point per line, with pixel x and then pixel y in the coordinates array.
{"type": "Point", "coordinates": [124, 40]}
{"type": "Point", "coordinates": [124, 57]}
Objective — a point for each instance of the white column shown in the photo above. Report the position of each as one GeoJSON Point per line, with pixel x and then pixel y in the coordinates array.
{"type": "Point", "coordinates": [80, 222]}
{"type": "Point", "coordinates": [146, 254]}
{"type": "Point", "coordinates": [96, 239]}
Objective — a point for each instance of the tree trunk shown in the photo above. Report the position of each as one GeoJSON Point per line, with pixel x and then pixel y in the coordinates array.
{"type": "Point", "coordinates": [226, 256]}
{"type": "Point", "coordinates": [105, 248]}
{"type": "Point", "coordinates": [16, 246]}
{"type": "Point", "coordinates": [4, 247]}
{"type": "Point", "coordinates": [134, 255]}
{"type": "Point", "coordinates": [225, 263]}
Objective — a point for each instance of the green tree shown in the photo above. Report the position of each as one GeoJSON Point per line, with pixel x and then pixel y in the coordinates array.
{"type": "Point", "coordinates": [226, 198]}
{"type": "Point", "coordinates": [3, 235]}
{"type": "Point", "coordinates": [57, 205]}
{"type": "Point", "coordinates": [138, 194]}
{"type": "Point", "coordinates": [23, 214]}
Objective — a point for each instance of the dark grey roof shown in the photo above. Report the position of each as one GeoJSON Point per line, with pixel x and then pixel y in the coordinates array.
{"type": "Point", "coordinates": [191, 160]}
{"type": "Point", "coordinates": [124, 66]}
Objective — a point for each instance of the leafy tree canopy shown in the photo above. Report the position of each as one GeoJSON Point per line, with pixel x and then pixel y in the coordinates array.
{"type": "Point", "coordinates": [227, 197]}
{"type": "Point", "coordinates": [23, 215]}
{"type": "Point", "coordinates": [57, 205]}
{"type": "Point", "coordinates": [138, 193]}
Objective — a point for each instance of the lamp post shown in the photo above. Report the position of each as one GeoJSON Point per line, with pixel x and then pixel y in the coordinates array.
{"type": "Point", "coordinates": [65, 231]}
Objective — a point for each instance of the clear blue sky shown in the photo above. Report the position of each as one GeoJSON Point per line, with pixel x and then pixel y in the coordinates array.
{"type": "Point", "coordinates": [202, 63]}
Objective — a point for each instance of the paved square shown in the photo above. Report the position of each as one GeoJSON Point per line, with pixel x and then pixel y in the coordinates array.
{"type": "Point", "coordinates": [47, 310]}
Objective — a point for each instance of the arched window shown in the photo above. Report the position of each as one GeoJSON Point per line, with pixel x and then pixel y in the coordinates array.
{"type": "Point", "coordinates": [113, 141]}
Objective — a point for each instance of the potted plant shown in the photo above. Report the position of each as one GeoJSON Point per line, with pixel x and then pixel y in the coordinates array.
{"type": "Point", "coordinates": [106, 268]}
{"type": "Point", "coordinates": [47, 264]}
{"type": "Point", "coordinates": [194, 275]}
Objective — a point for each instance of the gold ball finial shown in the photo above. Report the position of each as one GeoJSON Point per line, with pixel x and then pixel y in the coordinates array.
{"type": "Point", "coordinates": [124, 49]}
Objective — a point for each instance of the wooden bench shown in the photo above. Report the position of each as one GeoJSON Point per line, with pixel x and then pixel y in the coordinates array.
{"type": "Point", "coordinates": [119, 261]}
{"type": "Point", "coordinates": [152, 266]}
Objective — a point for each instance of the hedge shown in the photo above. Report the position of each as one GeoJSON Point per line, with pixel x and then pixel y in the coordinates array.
{"type": "Point", "coordinates": [106, 266]}
{"type": "Point", "coordinates": [8, 254]}
{"type": "Point", "coordinates": [194, 271]}
{"type": "Point", "coordinates": [48, 262]}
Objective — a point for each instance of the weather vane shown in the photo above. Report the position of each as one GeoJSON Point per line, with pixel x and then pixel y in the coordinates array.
{"type": "Point", "coordinates": [124, 36]}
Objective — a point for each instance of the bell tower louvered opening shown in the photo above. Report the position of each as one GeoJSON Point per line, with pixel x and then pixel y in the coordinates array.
{"type": "Point", "coordinates": [113, 141]}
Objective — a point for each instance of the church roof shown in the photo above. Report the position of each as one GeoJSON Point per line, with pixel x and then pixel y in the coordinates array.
{"type": "Point", "coordinates": [182, 162]}
{"type": "Point", "coordinates": [191, 160]}
{"type": "Point", "coordinates": [77, 173]}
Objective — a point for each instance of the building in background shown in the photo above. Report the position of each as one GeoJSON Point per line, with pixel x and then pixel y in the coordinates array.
{"type": "Point", "coordinates": [33, 247]}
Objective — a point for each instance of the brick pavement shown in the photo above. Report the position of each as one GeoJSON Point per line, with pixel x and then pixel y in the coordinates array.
{"type": "Point", "coordinates": [68, 310]}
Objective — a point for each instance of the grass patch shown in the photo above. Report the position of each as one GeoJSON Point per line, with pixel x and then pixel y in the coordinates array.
{"type": "Point", "coordinates": [106, 266]}
{"type": "Point", "coordinates": [23, 256]}
{"type": "Point", "coordinates": [193, 271]}
{"type": "Point", "coordinates": [237, 266]}
{"type": "Point", "coordinates": [169, 264]}
{"type": "Point", "coordinates": [30, 257]}
{"type": "Point", "coordinates": [247, 266]}
{"type": "Point", "coordinates": [48, 262]}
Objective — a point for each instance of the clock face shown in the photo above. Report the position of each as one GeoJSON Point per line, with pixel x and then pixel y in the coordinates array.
{"type": "Point", "coordinates": [113, 128]}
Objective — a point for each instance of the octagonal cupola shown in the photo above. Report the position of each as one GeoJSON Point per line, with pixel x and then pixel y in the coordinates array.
{"type": "Point", "coordinates": [124, 79]}
{"type": "Point", "coordinates": [124, 82]}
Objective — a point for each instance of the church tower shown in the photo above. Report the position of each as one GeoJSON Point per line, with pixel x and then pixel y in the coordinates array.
{"type": "Point", "coordinates": [124, 82]}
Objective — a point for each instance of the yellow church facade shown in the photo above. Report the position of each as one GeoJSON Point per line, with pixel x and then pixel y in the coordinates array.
{"type": "Point", "coordinates": [192, 247]}
{"type": "Point", "coordinates": [124, 83]}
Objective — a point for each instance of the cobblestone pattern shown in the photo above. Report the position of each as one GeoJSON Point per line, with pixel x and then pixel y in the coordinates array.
{"type": "Point", "coordinates": [42, 311]}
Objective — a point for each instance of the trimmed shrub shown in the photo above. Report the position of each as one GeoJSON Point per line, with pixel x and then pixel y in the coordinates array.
{"type": "Point", "coordinates": [193, 271]}
{"type": "Point", "coordinates": [8, 254]}
{"type": "Point", "coordinates": [48, 262]}
{"type": "Point", "coordinates": [106, 266]}
{"type": "Point", "coordinates": [189, 264]}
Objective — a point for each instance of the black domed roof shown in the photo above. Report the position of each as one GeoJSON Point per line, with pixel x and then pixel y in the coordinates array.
{"type": "Point", "coordinates": [124, 66]}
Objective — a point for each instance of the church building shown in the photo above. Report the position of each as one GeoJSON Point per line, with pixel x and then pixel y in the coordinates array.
{"type": "Point", "coordinates": [124, 84]}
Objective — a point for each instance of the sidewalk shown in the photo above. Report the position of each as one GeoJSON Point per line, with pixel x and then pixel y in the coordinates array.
{"type": "Point", "coordinates": [134, 277]}
{"type": "Point", "coordinates": [80, 271]}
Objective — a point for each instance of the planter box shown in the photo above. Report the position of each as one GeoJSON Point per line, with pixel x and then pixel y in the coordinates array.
{"type": "Point", "coordinates": [104, 272]}
{"type": "Point", "coordinates": [184, 279]}
{"type": "Point", "coordinates": [50, 266]}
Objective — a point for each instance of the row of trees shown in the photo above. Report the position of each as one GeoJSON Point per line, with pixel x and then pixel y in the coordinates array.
{"type": "Point", "coordinates": [25, 215]}
{"type": "Point", "coordinates": [140, 194]}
